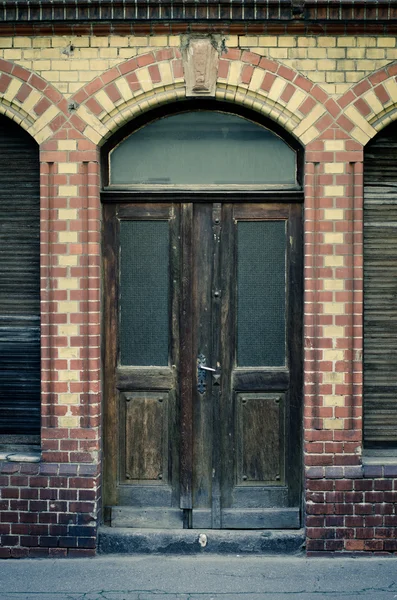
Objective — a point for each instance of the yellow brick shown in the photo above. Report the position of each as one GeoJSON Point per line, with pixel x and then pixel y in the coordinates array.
{"type": "Point", "coordinates": [333, 355]}
{"type": "Point", "coordinates": [68, 260]}
{"type": "Point", "coordinates": [334, 331]}
{"type": "Point", "coordinates": [373, 102]}
{"type": "Point", "coordinates": [256, 80]}
{"type": "Point", "coordinates": [99, 42]}
{"type": "Point", "coordinates": [175, 41]}
{"type": "Point", "coordinates": [391, 87]}
{"type": "Point", "coordinates": [334, 190]}
{"type": "Point", "coordinates": [330, 377]}
{"type": "Point", "coordinates": [278, 53]}
{"type": "Point", "coordinates": [309, 135]}
{"type": "Point", "coordinates": [248, 40]}
{"type": "Point", "coordinates": [65, 214]}
{"type": "Point", "coordinates": [69, 399]}
{"type": "Point", "coordinates": [68, 352]}
{"type": "Point", "coordinates": [68, 190]}
{"type": "Point", "coordinates": [334, 77]}
{"type": "Point", "coordinates": [53, 76]}
{"type": "Point", "coordinates": [68, 307]}
{"type": "Point", "coordinates": [69, 422]}
{"type": "Point", "coordinates": [234, 73]}
{"type": "Point", "coordinates": [14, 54]}
{"type": "Point", "coordinates": [99, 65]}
{"type": "Point", "coordinates": [366, 42]}
{"type": "Point", "coordinates": [118, 41]}
{"type": "Point", "coordinates": [354, 76]}
{"type": "Point", "coordinates": [346, 41]}
{"type": "Point", "coordinates": [124, 89]}
{"type": "Point", "coordinates": [334, 308]}
{"type": "Point", "coordinates": [333, 261]}
{"type": "Point", "coordinates": [333, 284]}
{"type": "Point", "coordinates": [334, 401]}
{"type": "Point", "coordinates": [88, 53]}
{"type": "Point", "coordinates": [21, 42]}
{"type": "Point", "coordinates": [68, 375]}
{"type": "Point", "coordinates": [326, 65]}
{"type": "Point", "coordinates": [391, 53]}
{"type": "Point", "coordinates": [306, 65]}
{"type": "Point", "coordinates": [31, 101]}
{"type": "Point", "coordinates": [43, 135]}
{"type": "Point", "coordinates": [333, 424]}
{"type": "Point", "coordinates": [353, 114]}
{"type": "Point", "coordinates": [166, 73]}
{"type": "Point", "coordinates": [92, 134]}
{"type": "Point", "coordinates": [66, 237]}
{"type": "Point", "coordinates": [359, 135]}
{"type": "Point", "coordinates": [355, 53]}
{"type": "Point", "coordinates": [158, 40]}
{"type": "Point", "coordinates": [334, 214]}
{"type": "Point", "coordinates": [315, 53]}
{"type": "Point", "coordinates": [334, 168]}
{"type": "Point", "coordinates": [139, 41]}
{"type": "Point", "coordinates": [389, 42]}
{"type": "Point", "coordinates": [337, 53]}
{"type": "Point", "coordinates": [6, 42]}
{"type": "Point", "coordinates": [376, 53]}
{"type": "Point", "coordinates": [67, 145]}
{"type": "Point", "coordinates": [296, 100]}
{"type": "Point", "coordinates": [104, 101]}
{"type": "Point", "coordinates": [306, 41]}
{"type": "Point", "coordinates": [41, 65]}
{"type": "Point", "coordinates": [91, 120]}
{"type": "Point", "coordinates": [12, 89]}
{"type": "Point", "coordinates": [286, 42]}
{"type": "Point", "coordinates": [42, 42]}
{"type": "Point", "coordinates": [267, 41]}
{"type": "Point", "coordinates": [108, 53]}
{"type": "Point", "coordinates": [68, 283]}
{"type": "Point", "coordinates": [326, 42]}
{"type": "Point", "coordinates": [310, 120]}
{"type": "Point", "coordinates": [68, 330]}
{"type": "Point", "coordinates": [67, 168]}
{"type": "Point", "coordinates": [276, 89]}
{"type": "Point", "coordinates": [334, 145]}
{"type": "Point", "coordinates": [71, 76]}
{"type": "Point", "coordinates": [333, 238]}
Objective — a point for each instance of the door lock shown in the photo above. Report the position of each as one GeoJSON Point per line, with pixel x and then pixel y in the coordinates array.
{"type": "Point", "coordinates": [202, 374]}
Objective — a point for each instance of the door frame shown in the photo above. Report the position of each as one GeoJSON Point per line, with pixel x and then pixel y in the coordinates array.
{"type": "Point", "coordinates": [109, 342]}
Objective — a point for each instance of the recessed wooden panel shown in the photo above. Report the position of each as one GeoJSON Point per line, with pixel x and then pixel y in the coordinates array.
{"type": "Point", "coordinates": [146, 436]}
{"type": "Point", "coordinates": [260, 439]}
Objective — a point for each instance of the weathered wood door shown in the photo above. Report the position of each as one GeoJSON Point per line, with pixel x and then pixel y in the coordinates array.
{"type": "Point", "coordinates": [202, 359]}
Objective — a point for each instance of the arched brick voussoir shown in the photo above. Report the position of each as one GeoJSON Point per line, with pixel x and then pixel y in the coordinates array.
{"type": "Point", "coordinates": [370, 104]}
{"type": "Point", "coordinates": [282, 93]}
{"type": "Point", "coordinates": [247, 78]}
{"type": "Point", "coordinates": [111, 99]}
{"type": "Point", "coordinates": [31, 101]}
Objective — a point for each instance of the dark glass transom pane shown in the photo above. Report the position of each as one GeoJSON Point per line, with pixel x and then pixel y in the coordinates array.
{"type": "Point", "coordinates": [261, 256]}
{"type": "Point", "coordinates": [203, 147]}
{"type": "Point", "coordinates": [144, 293]}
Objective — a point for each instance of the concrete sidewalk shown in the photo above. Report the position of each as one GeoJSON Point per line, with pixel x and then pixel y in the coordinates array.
{"type": "Point", "coordinates": [201, 577]}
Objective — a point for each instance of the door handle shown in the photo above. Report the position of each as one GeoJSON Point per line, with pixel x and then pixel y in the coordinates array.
{"type": "Point", "coordinates": [202, 374]}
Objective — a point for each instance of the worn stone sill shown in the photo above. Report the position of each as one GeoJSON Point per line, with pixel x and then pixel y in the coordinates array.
{"type": "Point", "coordinates": [19, 456]}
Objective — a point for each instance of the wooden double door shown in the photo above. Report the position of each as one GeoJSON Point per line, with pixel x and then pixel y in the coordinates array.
{"type": "Point", "coordinates": [202, 357]}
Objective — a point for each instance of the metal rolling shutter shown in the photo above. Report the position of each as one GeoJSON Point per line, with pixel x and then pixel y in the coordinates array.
{"type": "Point", "coordinates": [19, 281]}
{"type": "Point", "coordinates": [380, 290]}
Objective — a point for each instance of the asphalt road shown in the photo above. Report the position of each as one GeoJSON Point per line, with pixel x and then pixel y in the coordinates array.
{"type": "Point", "coordinates": [206, 577]}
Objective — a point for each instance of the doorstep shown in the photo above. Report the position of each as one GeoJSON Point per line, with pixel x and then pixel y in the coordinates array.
{"type": "Point", "coordinates": [123, 540]}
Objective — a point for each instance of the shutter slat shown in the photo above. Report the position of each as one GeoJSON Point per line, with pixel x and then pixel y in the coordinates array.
{"type": "Point", "coordinates": [19, 281]}
{"type": "Point", "coordinates": [380, 290]}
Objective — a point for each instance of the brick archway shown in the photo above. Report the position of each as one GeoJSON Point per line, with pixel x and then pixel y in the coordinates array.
{"type": "Point", "coordinates": [246, 78]}
{"type": "Point", "coordinates": [31, 101]}
{"type": "Point", "coordinates": [371, 104]}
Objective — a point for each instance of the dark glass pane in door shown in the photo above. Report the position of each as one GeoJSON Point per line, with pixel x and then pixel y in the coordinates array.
{"type": "Point", "coordinates": [261, 261]}
{"type": "Point", "coordinates": [144, 293]}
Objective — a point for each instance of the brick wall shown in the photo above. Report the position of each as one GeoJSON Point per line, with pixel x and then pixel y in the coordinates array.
{"type": "Point", "coordinates": [72, 93]}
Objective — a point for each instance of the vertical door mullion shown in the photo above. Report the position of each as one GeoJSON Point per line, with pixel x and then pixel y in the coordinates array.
{"type": "Point", "coordinates": [186, 360]}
